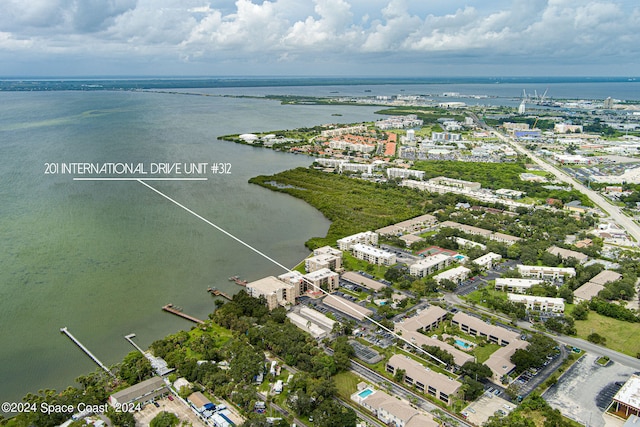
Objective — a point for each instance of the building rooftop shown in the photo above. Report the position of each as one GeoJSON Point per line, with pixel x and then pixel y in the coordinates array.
{"type": "Point", "coordinates": [452, 274]}
{"type": "Point", "coordinates": [268, 284]}
{"type": "Point", "coordinates": [426, 376]}
{"type": "Point", "coordinates": [480, 326]}
{"type": "Point", "coordinates": [587, 291]}
{"type": "Point", "coordinates": [138, 390]}
{"type": "Point", "coordinates": [605, 276]}
{"type": "Point", "coordinates": [567, 253]}
{"type": "Point", "coordinates": [510, 281]}
{"type": "Point", "coordinates": [431, 260]}
{"type": "Point", "coordinates": [347, 307]}
{"type": "Point", "coordinates": [359, 279]}
{"type": "Point", "coordinates": [198, 399]}
{"type": "Point", "coordinates": [500, 361]}
{"type": "Point", "coordinates": [629, 394]}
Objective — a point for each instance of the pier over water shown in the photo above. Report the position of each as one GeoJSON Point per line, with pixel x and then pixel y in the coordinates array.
{"type": "Point", "coordinates": [170, 309]}
{"type": "Point", "coordinates": [86, 350]}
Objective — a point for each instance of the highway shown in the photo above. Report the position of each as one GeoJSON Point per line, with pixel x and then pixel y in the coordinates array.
{"type": "Point", "coordinates": [615, 212]}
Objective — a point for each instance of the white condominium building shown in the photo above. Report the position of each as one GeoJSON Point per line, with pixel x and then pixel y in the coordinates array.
{"type": "Point", "coordinates": [404, 173]}
{"type": "Point", "coordinates": [519, 286]}
{"type": "Point", "coordinates": [555, 305]}
{"type": "Point", "coordinates": [457, 183]}
{"type": "Point", "coordinates": [545, 273]}
{"type": "Point", "coordinates": [322, 279]}
{"type": "Point", "coordinates": [366, 238]}
{"type": "Point", "coordinates": [456, 275]}
{"type": "Point", "coordinates": [488, 260]}
{"type": "Point", "coordinates": [373, 255]}
{"type": "Point", "coordinates": [274, 290]}
{"type": "Point", "coordinates": [324, 257]}
{"type": "Point", "coordinates": [430, 265]}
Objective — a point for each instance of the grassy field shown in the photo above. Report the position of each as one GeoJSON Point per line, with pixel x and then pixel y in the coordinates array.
{"type": "Point", "coordinates": [621, 336]}
{"type": "Point", "coordinates": [346, 383]}
{"type": "Point", "coordinates": [483, 353]}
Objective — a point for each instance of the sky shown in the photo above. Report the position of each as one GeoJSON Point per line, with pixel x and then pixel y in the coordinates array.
{"type": "Point", "coordinates": [404, 38]}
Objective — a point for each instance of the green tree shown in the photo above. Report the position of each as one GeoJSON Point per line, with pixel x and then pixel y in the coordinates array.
{"type": "Point", "coordinates": [164, 419]}
{"type": "Point", "coordinates": [477, 371]}
{"type": "Point", "coordinates": [135, 368]}
{"type": "Point", "coordinates": [331, 414]}
{"type": "Point", "coordinates": [580, 312]}
{"type": "Point", "coordinates": [121, 418]}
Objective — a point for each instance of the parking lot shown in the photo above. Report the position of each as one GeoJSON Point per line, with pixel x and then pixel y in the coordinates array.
{"type": "Point", "coordinates": [184, 413]}
{"type": "Point", "coordinates": [585, 390]}
{"type": "Point", "coordinates": [486, 406]}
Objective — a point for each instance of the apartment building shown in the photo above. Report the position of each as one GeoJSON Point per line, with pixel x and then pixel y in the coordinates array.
{"type": "Point", "coordinates": [391, 410]}
{"type": "Point", "coordinates": [565, 254]}
{"type": "Point", "coordinates": [457, 183]}
{"type": "Point", "coordinates": [546, 273]}
{"type": "Point", "coordinates": [555, 305]}
{"type": "Point", "coordinates": [424, 379]}
{"type": "Point", "coordinates": [275, 291]}
{"type": "Point", "coordinates": [324, 257]}
{"type": "Point", "coordinates": [487, 261]}
{"type": "Point", "coordinates": [322, 279]}
{"type": "Point", "coordinates": [430, 265]}
{"type": "Point", "coordinates": [373, 255]}
{"type": "Point", "coordinates": [366, 238]}
{"type": "Point", "coordinates": [456, 275]}
{"type": "Point", "coordinates": [513, 285]}
{"type": "Point", "coordinates": [404, 173]}
{"type": "Point", "coordinates": [409, 226]}
{"type": "Point", "coordinates": [476, 327]}
{"type": "Point", "coordinates": [595, 285]}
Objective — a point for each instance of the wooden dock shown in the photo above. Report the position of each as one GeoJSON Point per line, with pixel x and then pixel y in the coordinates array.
{"type": "Point", "coordinates": [238, 281]}
{"type": "Point", "coordinates": [170, 309]}
{"type": "Point", "coordinates": [86, 350]}
{"type": "Point", "coordinates": [217, 293]}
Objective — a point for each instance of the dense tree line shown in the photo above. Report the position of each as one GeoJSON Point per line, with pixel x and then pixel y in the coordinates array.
{"type": "Point", "coordinates": [613, 310]}
{"type": "Point", "coordinates": [535, 354]}
{"type": "Point", "coordinates": [351, 205]}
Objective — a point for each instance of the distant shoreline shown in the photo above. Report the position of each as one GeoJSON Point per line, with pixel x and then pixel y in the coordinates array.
{"type": "Point", "coordinates": [17, 83]}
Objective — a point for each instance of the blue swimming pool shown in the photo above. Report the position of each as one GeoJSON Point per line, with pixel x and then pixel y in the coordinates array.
{"type": "Point", "coordinates": [364, 393]}
{"type": "Point", "coordinates": [462, 344]}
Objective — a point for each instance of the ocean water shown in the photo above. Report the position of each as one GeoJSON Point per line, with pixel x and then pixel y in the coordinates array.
{"type": "Point", "coordinates": [102, 258]}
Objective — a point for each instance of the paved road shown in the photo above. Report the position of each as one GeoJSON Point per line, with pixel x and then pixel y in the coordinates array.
{"type": "Point", "coordinates": [398, 390]}
{"type": "Point", "coordinates": [283, 411]}
{"type": "Point", "coordinates": [615, 212]}
{"type": "Point", "coordinates": [623, 359]}
{"type": "Point", "coordinates": [363, 416]}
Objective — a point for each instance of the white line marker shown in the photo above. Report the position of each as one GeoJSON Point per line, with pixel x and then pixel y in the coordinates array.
{"type": "Point", "coordinates": [280, 265]}
{"type": "Point", "coordinates": [138, 179]}
{"type": "Point", "coordinates": [213, 225]}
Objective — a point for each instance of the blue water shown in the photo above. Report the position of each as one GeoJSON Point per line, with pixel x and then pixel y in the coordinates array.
{"type": "Point", "coordinates": [366, 392]}
{"type": "Point", "coordinates": [463, 344]}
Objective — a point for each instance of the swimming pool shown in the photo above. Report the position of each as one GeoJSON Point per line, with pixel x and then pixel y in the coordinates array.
{"type": "Point", "coordinates": [364, 393]}
{"type": "Point", "coordinates": [463, 344]}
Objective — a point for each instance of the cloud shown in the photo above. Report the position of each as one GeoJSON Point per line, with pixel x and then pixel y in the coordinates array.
{"type": "Point", "coordinates": [336, 31]}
